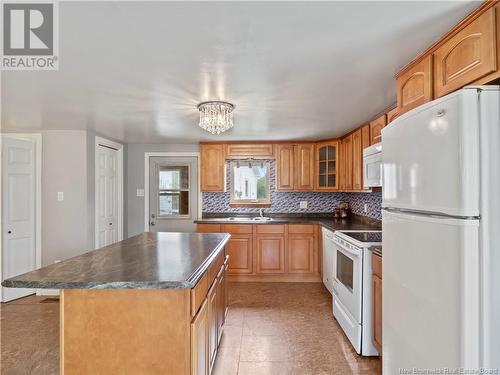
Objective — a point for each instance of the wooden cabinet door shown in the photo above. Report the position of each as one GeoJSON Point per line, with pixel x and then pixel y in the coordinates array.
{"type": "Point", "coordinates": [348, 159]}
{"type": "Point", "coordinates": [392, 114]}
{"type": "Point", "coordinates": [377, 313]}
{"type": "Point", "coordinates": [414, 86]}
{"type": "Point", "coordinates": [376, 127]}
{"type": "Point", "coordinates": [212, 167]}
{"type": "Point", "coordinates": [357, 160]}
{"type": "Point", "coordinates": [221, 302]}
{"type": "Point", "coordinates": [285, 167]}
{"type": "Point", "coordinates": [199, 342]}
{"type": "Point", "coordinates": [304, 170]}
{"type": "Point", "coordinates": [365, 136]}
{"type": "Point", "coordinates": [327, 162]}
{"type": "Point", "coordinates": [300, 253]}
{"type": "Point", "coordinates": [249, 150]}
{"type": "Point", "coordinates": [270, 253]}
{"type": "Point", "coordinates": [467, 56]}
{"type": "Point", "coordinates": [240, 252]}
{"type": "Point", "coordinates": [341, 165]}
{"type": "Point", "coordinates": [212, 324]}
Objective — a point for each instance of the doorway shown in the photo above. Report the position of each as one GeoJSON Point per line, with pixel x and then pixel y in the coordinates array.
{"type": "Point", "coordinates": [173, 193]}
{"type": "Point", "coordinates": [21, 209]}
{"type": "Point", "coordinates": [108, 192]}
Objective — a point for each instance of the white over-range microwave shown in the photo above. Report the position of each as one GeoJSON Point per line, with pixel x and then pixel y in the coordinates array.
{"type": "Point", "coordinates": [372, 166]}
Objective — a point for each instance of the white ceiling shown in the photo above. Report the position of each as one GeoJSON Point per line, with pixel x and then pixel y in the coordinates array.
{"type": "Point", "coordinates": [135, 71]}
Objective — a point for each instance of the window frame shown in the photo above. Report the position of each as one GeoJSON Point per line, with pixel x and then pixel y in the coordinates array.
{"type": "Point", "coordinates": [179, 191]}
{"type": "Point", "coordinates": [249, 202]}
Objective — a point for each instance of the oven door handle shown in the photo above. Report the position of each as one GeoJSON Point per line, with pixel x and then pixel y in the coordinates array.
{"type": "Point", "coordinates": [347, 250]}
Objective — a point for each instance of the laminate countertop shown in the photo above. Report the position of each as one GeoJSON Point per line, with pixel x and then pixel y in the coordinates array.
{"type": "Point", "coordinates": [352, 223]}
{"type": "Point", "coordinates": [147, 261]}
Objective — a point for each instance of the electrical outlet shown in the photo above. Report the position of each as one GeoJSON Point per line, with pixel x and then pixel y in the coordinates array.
{"type": "Point", "coordinates": [365, 208]}
{"type": "Point", "coordinates": [60, 196]}
{"type": "Point", "coordinates": [303, 204]}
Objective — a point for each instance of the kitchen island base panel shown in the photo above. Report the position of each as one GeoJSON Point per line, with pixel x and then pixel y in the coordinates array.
{"type": "Point", "coordinates": [125, 331]}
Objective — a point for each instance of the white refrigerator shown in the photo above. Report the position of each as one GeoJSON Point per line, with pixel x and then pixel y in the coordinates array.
{"type": "Point", "coordinates": [441, 234]}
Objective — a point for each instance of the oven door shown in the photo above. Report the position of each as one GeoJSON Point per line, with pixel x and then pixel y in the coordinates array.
{"type": "Point", "coordinates": [347, 280]}
{"type": "Point", "coordinates": [372, 170]}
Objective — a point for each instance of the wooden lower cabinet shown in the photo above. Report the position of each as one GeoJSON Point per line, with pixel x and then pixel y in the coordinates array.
{"type": "Point", "coordinates": [377, 302]}
{"type": "Point", "coordinates": [212, 324]}
{"type": "Point", "coordinates": [199, 342]}
{"type": "Point", "coordinates": [301, 253]}
{"type": "Point", "coordinates": [270, 251]}
{"type": "Point", "coordinates": [240, 250]}
{"type": "Point", "coordinates": [208, 324]}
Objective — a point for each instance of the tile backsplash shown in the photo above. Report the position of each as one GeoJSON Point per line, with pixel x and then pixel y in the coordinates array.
{"type": "Point", "coordinates": [287, 202]}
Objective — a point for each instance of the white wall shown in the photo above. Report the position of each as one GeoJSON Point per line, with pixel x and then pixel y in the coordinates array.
{"type": "Point", "coordinates": [64, 169]}
{"type": "Point", "coordinates": [135, 179]}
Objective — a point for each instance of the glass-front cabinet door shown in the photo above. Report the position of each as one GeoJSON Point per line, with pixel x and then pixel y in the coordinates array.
{"type": "Point", "coordinates": [327, 158]}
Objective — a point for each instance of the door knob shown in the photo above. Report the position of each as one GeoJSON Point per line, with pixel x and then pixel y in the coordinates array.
{"type": "Point", "coordinates": [9, 232]}
{"type": "Point", "coordinates": [152, 223]}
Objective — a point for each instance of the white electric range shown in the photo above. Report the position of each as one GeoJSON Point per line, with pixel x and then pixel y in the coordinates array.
{"type": "Point", "coordinates": [352, 286]}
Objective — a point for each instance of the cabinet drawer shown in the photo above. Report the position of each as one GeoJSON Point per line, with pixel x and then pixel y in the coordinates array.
{"type": "Point", "coordinates": [270, 228]}
{"type": "Point", "coordinates": [198, 293]}
{"type": "Point", "coordinates": [208, 228]}
{"type": "Point", "coordinates": [301, 228]}
{"type": "Point", "coordinates": [238, 228]}
{"type": "Point", "coordinates": [377, 265]}
{"type": "Point", "coordinates": [214, 268]}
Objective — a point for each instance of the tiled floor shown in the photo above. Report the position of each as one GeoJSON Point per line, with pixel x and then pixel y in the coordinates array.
{"type": "Point", "coordinates": [286, 328]}
{"type": "Point", "coordinates": [276, 328]}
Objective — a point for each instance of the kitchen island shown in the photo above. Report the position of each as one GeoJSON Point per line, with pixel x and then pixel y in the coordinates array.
{"type": "Point", "coordinates": [151, 304]}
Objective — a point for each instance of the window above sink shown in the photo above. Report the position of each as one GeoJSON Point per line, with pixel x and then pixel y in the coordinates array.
{"type": "Point", "coordinates": [250, 182]}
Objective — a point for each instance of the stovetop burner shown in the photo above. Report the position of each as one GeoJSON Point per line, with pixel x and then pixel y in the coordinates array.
{"type": "Point", "coordinates": [365, 236]}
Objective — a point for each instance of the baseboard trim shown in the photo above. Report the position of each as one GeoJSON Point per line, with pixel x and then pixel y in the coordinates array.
{"type": "Point", "coordinates": [275, 278]}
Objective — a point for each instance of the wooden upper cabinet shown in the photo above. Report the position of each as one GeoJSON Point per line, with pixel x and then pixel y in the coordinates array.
{"type": "Point", "coordinates": [466, 56]}
{"type": "Point", "coordinates": [376, 127]}
{"type": "Point", "coordinates": [327, 159]}
{"type": "Point", "coordinates": [348, 165]}
{"type": "Point", "coordinates": [365, 136]}
{"type": "Point", "coordinates": [212, 167]}
{"type": "Point", "coordinates": [285, 166]}
{"type": "Point", "coordinates": [341, 165]}
{"type": "Point", "coordinates": [304, 167]}
{"type": "Point", "coordinates": [414, 86]}
{"type": "Point", "coordinates": [357, 160]}
{"type": "Point", "coordinates": [392, 114]}
{"type": "Point", "coordinates": [249, 150]}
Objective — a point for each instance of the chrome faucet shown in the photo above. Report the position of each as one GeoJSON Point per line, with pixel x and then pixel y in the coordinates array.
{"type": "Point", "coordinates": [261, 212]}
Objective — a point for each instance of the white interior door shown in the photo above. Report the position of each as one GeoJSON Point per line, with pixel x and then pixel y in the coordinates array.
{"type": "Point", "coordinates": [19, 211]}
{"type": "Point", "coordinates": [107, 196]}
{"type": "Point", "coordinates": [173, 193]}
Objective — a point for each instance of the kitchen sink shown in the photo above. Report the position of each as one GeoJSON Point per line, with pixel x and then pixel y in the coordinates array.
{"type": "Point", "coordinates": [256, 218]}
{"type": "Point", "coordinates": [262, 218]}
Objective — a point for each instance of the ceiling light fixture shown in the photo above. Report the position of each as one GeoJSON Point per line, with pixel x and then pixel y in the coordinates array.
{"type": "Point", "coordinates": [216, 116]}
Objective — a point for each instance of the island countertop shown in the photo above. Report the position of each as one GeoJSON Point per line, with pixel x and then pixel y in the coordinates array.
{"type": "Point", "coordinates": [147, 261]}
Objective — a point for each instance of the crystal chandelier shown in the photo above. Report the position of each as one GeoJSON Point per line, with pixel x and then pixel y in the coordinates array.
{"type": "Point", "coordinates": [215, 116]}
